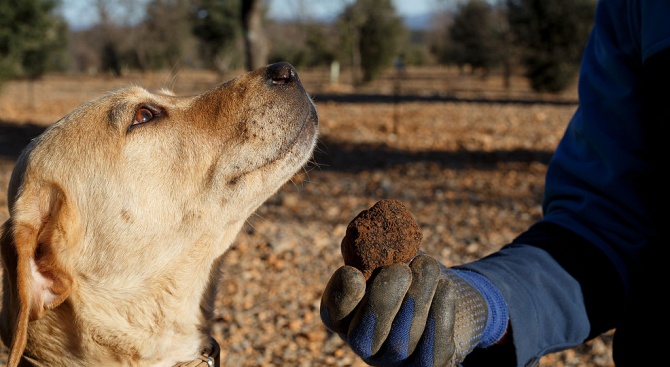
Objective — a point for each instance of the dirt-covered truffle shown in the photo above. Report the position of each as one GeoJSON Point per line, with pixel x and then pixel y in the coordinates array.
{"type": "Point", "coordinates": [382, 235]}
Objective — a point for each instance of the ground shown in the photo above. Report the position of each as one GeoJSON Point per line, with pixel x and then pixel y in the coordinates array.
{"type": "Point", "coordinates": [465, 155]}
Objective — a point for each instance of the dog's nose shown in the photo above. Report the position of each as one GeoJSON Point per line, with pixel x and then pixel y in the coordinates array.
{"type": "Point", "coordinates": [281, 73]}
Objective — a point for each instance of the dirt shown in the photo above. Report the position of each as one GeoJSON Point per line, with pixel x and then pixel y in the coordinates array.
{"type": "Point", "coordinates": [380, 236]}
{"type": "Point", "coordinates": [465, 155]}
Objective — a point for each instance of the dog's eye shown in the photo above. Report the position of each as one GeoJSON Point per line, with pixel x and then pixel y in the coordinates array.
{"type": "Point", "coordinates": [143, 115]}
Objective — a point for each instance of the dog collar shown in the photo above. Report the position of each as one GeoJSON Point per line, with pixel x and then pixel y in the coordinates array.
{"type": "Point", "coordinates": [209, 357]}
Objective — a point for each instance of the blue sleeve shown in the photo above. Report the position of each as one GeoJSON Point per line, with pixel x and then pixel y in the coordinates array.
{"type": "Point", "coordinates": [597, 181]}
{"type": "Point", "coordinates": [555, 300]}
{"type": "Point", "coordinates": [568, 278]}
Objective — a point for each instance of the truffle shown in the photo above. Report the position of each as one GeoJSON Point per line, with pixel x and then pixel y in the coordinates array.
{"type": "Point", "coordinates": [383, 235]}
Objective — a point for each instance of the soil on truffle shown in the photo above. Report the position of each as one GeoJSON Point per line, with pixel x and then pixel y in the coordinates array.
{"type": "Point", "coordinates": [382, 235]}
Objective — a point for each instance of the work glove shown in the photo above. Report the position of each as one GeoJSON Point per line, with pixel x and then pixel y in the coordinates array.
{"type": "Point", "coordinates": [421, 314]}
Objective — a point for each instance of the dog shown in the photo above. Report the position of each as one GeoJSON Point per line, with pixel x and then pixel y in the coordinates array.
{"type": "Point", "coordinates": [121, 212]}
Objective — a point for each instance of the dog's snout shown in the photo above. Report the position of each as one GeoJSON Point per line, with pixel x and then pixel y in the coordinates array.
{"type": "Point", "coordinates": [281, 73]}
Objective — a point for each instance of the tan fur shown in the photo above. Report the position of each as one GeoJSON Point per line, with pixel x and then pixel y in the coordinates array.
{"type": "Point", "coordinates": [115, 234]}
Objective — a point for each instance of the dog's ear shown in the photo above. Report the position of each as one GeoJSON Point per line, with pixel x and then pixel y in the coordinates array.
{"type": "Point", "coordinates": [35, 279]}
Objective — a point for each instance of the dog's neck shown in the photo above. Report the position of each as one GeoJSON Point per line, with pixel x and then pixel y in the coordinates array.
{"type": "Point", "coordinates": [144, 333]}
{"type": "Point", "coordinates": [159, 322]}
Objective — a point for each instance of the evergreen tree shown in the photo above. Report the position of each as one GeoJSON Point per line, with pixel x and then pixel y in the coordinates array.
{"type": "Point", "coordinates": [374, 34]}
{"type": "Point", "coordinates": [218, 27]}
{"type": "Point", "coordinates": [473, 35]}
{"type": "Point", "coordinates": [30, 36]}
{"type": "Point", "coordinates": [319, 49]}
{"type": "Point", "coordinates": [164, 34]}
{"type": "Point", "coordinates": [552, 35]}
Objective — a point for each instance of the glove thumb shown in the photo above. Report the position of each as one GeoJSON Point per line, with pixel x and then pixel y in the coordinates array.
{"type": "Point", "coordinates": [344, 291]}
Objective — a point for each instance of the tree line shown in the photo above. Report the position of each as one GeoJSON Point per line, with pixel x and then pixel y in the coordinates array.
{"type": "Point", "coordinates": [543, 39]}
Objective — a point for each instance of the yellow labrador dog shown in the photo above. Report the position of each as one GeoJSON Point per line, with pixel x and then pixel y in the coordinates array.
{"type": "Point", "coordinates": [120, 212]}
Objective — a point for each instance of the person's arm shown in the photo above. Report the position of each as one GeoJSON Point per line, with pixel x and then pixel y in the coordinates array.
{"type": "Point", "coordinates": [576, 274]}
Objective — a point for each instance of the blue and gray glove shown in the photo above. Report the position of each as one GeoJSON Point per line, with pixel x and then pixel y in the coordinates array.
{"type": "Point", "coordinates": [421, 314]}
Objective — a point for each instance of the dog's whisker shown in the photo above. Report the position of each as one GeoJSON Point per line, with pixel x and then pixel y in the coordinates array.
{"type": "Point", "coordinates": [258, 215]}
{"type": "Point", "coordinates": [174, 74]}
{"type": "Point", "coordinates": [295, 185]}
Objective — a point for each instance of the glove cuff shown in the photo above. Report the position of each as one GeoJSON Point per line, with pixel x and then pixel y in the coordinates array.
{"type": "Point", "coordinates": [496, 323]}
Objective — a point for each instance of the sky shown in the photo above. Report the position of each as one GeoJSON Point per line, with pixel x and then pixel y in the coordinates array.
{"type": "Point", "coordinates": [329, 8]}
{"type": "Point", "coordinates": [81, 13]}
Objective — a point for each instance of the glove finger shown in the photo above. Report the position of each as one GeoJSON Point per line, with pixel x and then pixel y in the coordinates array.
{"type": "Point", "coordinates": [373, 319]}
{"type": "Point", "coordinates": [344, 291]}
{"type": "Point", "coordinates": [436, 348]}
{"type": "Point", "coordinates": [410, 320]}
{"type": "Point", "coordinates": [425, 278]}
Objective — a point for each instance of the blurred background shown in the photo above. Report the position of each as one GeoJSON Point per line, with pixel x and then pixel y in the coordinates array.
{"type": "Point", "coordinates": [541, 40]}
{"type": "Point", "coordinates": [452, 107]}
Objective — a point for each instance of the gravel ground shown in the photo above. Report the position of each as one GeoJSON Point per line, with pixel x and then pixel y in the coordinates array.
{"type": "Point", "coordinates": [468, 161]}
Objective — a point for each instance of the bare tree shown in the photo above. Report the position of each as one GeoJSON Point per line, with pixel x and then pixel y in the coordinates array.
{"type": "Point", "coordinates": [255, 43]}
{"type": "Point", "coordinates": [109, 51]}
{"type": "Point", "coordinates": [165, 35]}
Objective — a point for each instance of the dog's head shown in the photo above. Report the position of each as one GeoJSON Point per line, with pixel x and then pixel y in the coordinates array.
{"type": "Point", "coordinates": [126, 186]}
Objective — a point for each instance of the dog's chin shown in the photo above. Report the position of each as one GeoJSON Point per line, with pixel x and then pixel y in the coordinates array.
{"type": "Point", "coordinates": [299, 150]}
{"type": "Point", "coordinates": [271, 174]}
{"type": "Point", "coordinates": [281, 158]}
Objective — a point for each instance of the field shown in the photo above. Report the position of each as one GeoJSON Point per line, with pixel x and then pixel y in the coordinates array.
{"type": "Point", "coordinates": [465, 154]}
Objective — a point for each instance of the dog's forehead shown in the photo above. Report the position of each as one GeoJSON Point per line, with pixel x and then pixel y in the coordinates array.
{"type": "Point", "coordinates": [135, 95]}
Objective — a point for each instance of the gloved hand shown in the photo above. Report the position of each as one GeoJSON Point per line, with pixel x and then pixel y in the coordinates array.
{"type": "Point", "coordinates": [423, 314]}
